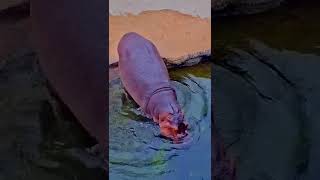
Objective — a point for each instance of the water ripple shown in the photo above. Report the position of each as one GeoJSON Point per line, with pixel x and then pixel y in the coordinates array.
{"type": "Point", "coordinates": [136, 148]}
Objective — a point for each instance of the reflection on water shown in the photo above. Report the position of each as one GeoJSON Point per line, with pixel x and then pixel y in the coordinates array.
{"type": "Point", "coordinates": [267, 92]}
{"type": "Point", "coordinates": [36, 142]}
{"type": "Point", "coordinates": [136, 151]}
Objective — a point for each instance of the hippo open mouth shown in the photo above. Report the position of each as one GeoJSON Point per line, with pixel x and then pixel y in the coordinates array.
{"type": "Point", "coordinates": [174, 127]}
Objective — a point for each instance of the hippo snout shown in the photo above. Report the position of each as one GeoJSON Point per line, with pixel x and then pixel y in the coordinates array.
{"type": "Point", "coordinates": [174, 126]}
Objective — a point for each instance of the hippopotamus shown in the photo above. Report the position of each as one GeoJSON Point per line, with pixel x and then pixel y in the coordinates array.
{"type": "Point", "coordinates": [145, 78]}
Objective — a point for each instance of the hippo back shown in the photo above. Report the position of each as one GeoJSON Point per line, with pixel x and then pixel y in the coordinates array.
{"type": "Point", "coordinates": [142, 70]}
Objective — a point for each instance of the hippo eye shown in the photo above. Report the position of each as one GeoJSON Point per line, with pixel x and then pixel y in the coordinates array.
{"type": "Point", "coordinates": [170, 117]}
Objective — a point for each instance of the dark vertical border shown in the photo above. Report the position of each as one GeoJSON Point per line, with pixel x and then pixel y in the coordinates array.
{"type": "Point", "coordinates": [222, 167]}
{"type": "Point", "coordinates": [71, 37]}
{"type": "Point", "coordinates": [21, 11]}
{"type": "Point", "coordinates": [212, 99]}
{"type": "Point", "coordinates": [107, 85]}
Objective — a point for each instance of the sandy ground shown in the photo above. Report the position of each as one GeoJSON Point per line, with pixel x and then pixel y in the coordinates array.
{"type": "Point", "coordinates": [200, 8]}
{"type": "Point", "coordinates": [176, 35]}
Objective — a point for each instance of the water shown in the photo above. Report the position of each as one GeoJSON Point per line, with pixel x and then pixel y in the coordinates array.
{"type": "Point", "coordinates": [135, 149]}
{"type": "Point", "coordinates": [266, 86]}
{"type": "Point", "coordinates": [38, 141]}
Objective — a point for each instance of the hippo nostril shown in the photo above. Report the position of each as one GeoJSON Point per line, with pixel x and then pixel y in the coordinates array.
{"type": "Point", "coordinates": [182, 127]}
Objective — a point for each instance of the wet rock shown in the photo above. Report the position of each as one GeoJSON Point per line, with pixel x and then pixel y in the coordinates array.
{"type": "Point", "coordinates": [235, 7]}
{"type": "Point", "coordinates": [6, 4]}
{"type": "Point", "coordinates": [220, 4]}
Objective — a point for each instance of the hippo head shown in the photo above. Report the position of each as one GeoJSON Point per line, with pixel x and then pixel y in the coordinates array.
{"type": "Point", "coordinates": [173, 126]}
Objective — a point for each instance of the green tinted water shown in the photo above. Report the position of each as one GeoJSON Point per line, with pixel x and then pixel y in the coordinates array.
{"type": "Point", "coordinates": [135, 149]}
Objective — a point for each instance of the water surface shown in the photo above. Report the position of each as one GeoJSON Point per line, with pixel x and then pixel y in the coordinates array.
{"type": "Point", "coordinates": [38, 140]}
{"type": "Point", "coordinates": [266, 86]}
{"type": "Point", "coordinates": [136, 151]}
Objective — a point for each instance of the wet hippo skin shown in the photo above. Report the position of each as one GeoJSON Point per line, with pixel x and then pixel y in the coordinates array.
{"type": "Point", "coordinates": [145, 77]}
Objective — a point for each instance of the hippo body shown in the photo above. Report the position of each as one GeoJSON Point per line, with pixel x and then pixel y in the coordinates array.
{"type": "Point", "coordinates": [145, 77]}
